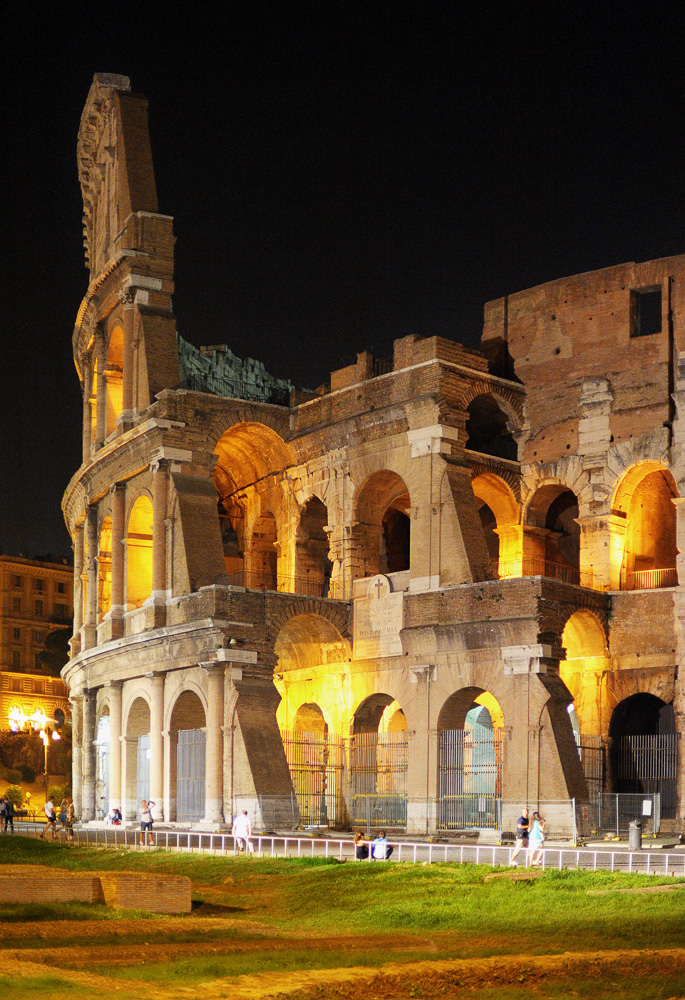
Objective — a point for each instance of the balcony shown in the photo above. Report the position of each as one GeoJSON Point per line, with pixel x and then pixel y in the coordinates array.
{"type": "Point", "coordinates": [649, 579]}
{"type": "Point", "coordinates": [307, 586]}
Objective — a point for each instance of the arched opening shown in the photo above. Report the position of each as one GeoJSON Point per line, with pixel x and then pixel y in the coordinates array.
{"type": "Point", "coordinates": [308, 648]}
{"type": "Point", "coordinates": [102, 765]}
{"type": "Point", "coordinates": [251, 461]}
{"type": "Point", "coordinates": [488, 429]}
{"type": "Point", "coordinates": [139, 553]}
{"type": "Point", "coordinates": [552, 535]}
{"type": "Point", "coordinates": [383, 525]}
{"type": "Point", "coordinates": [105, 568]}
{"type": "Point", "coordinates": [644, 755]}
{"type": "Point", "coordinates": [312, 564]}
{"type": "Point", "coordinates": [187, 731]}
{"type": "Point", "coordinates": [138, 755]}
{"type": "Point", "coordinates": [582, 672]}
{"type": "Point", "coordinates": [114, 373]}
{"type": "Point", "coordinates": [470, 760]}
{"type": "Point", "coordinates": [644, 532]}
{"type": "Point", "coordinates": [500, 520]}
{"type": "Point", "coordinates": [378, 762]}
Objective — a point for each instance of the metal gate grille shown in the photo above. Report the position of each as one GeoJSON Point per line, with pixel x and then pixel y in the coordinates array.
{"type": "Point", "coordinates": [190, 775]}
{"type": "Point", "coordinates": [649, 764]}
{"type": "Point", "coordinates": [591, 750]}
{"type": "Point", "coordinates": [317, 766]}
{"type": "Point", "coordinates": [143, 771]}
{"type": "Point", "coordinates": [102, 767]}
{"type": "Point", "coordinates": [470, 778]}
{"type": "Point", "coordinates": [378, 777]}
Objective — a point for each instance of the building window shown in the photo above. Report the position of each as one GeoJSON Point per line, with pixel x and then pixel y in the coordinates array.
{"type": "Point", "coordinates": [39, 609]}
{"type": "Point", "coordinates": [16, 604]}
{"type": "Point", "coordinates": [38, 584]}
{"type": "Point", "coordinates": [61, 588]}
{"type": "Point", "coordinates": [17, 581]}
{"type": "Point", "coordinates": [61, 611]}
{"type": "Point", "coordinates": [16, 659]}
{"type": "Point", "coordinates": [15, 684]}
{"type": "Point", "coordinates": [38, 687]}
{"type": "Point", "coordinates": [645, 312]}
{"type": "Point", "coordinates": [16, 634]}
{"type": "Point", "coordinates": [37, 662]}
{"type": "Point", "coordinates": [38, 636]}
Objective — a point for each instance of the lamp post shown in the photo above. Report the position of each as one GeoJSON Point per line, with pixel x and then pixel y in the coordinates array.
{"type": "Point", "coordinates": [39, 723]}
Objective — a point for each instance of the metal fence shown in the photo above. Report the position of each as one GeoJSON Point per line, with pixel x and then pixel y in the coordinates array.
{"type": "Point", "coordinates": [317, 769]}
{"type": "Point", "coordinates": [610, 814]}
{"type": "Point", "coordinates": [418, 852]}
{"type": "Point", "coordinates": [378, 779]}
{"type": "Point", "coordinates": [470, 779]}
{"type": "Point", "coordinates": [648, 765]}
{"type": "Point", "coordinates": [592, 753]}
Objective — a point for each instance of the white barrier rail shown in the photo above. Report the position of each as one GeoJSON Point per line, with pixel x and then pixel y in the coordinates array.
{"type": "Point", "coordinates": [654, 862]}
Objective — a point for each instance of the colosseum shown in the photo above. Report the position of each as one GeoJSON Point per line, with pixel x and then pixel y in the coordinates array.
{"type": "Point", "coordinates": [439, 587]}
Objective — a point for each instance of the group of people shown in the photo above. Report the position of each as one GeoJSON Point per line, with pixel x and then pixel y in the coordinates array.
{"type": "Point", "coordinates": [66, 817]}
{"type": "Point", "coordinates": [530, 837]}
{"type": "Point", "coordinates": [379, 849]}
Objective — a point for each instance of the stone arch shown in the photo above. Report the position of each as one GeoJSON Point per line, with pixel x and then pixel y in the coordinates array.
{"type": "Point", "coordinates": [551, 538]}
{"type": "Point", "coordinates": [382, 530]}
{"type": "Point", "coordinates": [490, 430]}
{"type": "Point", "coordinates": [368, 715]}
{"type": "Point", "coordinates": [252, 457]}
{"type": "Point", "coordinates": [105, 568]}
{"type": "Point", "coordinates": [139, 551]}
{"type": "Point", "coordinates": [309, 719]}
{"type": "Point", "coordinates": [309, 640]}
{"type": "Point", "coordinates": [583, 670]}
{"type": "Point", "coordinates": [500, 518]}
{"type": "Point", "coordinates": [470, 757]}
{"type": "Point", "coordinates": [643, 755]}
{"type": "Point", "coordinates": [114, 375]}
{"type": "Point", "coordinates": [187, 731]}
{"type": "Point", "coordinates": [312, 563]}
{"type": "Point", "coordinates": [379, 752]}
{"type": "Point", "coordinates": [644, 548]}
{"type": "Point", "coordinates": [454, 710]}
{"type": "Point", "coordinates": [137, 752]}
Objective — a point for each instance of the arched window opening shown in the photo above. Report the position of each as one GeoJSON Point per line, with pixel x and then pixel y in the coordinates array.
{"type": "Point", "coordinates": [312, 563]}
{"type": "Point", "coordinates": [378, 763]}
{"type": "Point", "coordinates": [105, 568]}
{"type": "Point", "coordinates": [489, 525]}
{"type": "Point", "coordinates": [500, 519]}
{"type": "Point", "coordinates": [552, 535]}
{"type": "Point", "coordinates": [650, 552]}
{"type": "Point", "coordinates": [139, 553]}
{"type": "Point", "coordinates": [115, 379]}
{"type": "Point", "coordinates": [187, 761]}
{"type": "Point", "coordinates": [384, 526]}
{"type": "Point", "coordinates": [470, 760]}
{"type": "Point", "coordinates": [309, 719]}
{"type": "Point", "coordinates": [232, 524]}
{"type": "Point", "coordinates": [488, 429]}
{"type": "Point", "coordinates": [264, 558]}
{"type": "Point", "coordinates": [644, 749]}
{"type": "Point", "coordinates": [138, 753]}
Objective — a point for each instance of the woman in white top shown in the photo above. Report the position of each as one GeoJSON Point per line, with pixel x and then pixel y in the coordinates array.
{"type": "Point", "coordinates": [146, 821]}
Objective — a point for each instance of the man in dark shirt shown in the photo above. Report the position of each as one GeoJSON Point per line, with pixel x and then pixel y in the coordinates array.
{"type": "Point", "coordinates": [522, 829]}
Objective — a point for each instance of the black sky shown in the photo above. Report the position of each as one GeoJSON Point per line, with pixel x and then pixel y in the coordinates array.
{"type": "Point", "coordinates": [340, 174]}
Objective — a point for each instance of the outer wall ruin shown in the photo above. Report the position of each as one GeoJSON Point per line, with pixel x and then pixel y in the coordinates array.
{"type": "Point", "coordinates": [404, 598]}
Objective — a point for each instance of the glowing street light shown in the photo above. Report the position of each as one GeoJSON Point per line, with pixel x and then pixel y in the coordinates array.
{"type": "Point", "coordinates": [39, 723]}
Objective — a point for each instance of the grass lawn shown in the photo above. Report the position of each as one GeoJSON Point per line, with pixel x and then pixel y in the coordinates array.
{"type": "Point", "coordinates": [318, 929]}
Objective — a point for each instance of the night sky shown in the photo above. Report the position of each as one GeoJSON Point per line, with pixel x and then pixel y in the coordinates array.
{"type": "Point", "coordinates": [340, 174]}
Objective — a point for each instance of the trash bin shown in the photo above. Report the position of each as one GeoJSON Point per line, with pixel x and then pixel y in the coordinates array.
{"type": "Point", "coordinates": [635, 835]}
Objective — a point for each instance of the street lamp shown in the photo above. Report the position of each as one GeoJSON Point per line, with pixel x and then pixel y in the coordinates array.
{"type": "Point", "coordinates": [39, 723]}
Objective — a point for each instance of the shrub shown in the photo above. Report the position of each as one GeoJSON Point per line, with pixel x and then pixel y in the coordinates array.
{"type": "Point", "coordinates": [28, 773]}
{"type": "Point", "coordinates": [58, 792]}
{"type": "Point", "coordinates": [14, 794]}
{"type": "Point", "coordinates": [14, 777]}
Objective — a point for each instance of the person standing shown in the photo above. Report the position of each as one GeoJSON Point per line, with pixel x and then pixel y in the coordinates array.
{"type": "Point", "coordinates": [146, 808]}
{"type": "Point", "coordinates": [71, 816]}
{"type": "Point", "coordinates": [522, 831]}
{"type": "Point", "coordinates": [536, 840]}
{"type": "Point", "coordinates": [50, 816]}
{"type": "Point", "coordinates": [9, 815]}
{"type": "Point", "coordinates": [242, 831]}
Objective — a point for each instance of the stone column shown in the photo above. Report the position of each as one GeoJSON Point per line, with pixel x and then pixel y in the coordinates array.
{"type": "Point", "coordinates": [214, 745]}
{"type": "Point", "coordinates": [118, 559]}
{"type": "Point", "coordinates": [127, 297]}
{"type": "Point", "coordinates": [75, 643]}
{"type": "Point", "coordinates": [88, 757]}
{"type": "Point", "coordinates": [422, 769]}
{"type": "Point", "coordinates": [87, 413]}
{"type": "Point", "coordinates": [89, 630]}
{"type": "Point", "coordinates": [159, 503]}
{"type": "Point", "coordinates": [115, 746]}
{"type": "Point", "coordinates": [77, 752]}
{"type": "Point", "coordinates": [601, 550]}
{"type": "Point", "coordinates": [157, 745]}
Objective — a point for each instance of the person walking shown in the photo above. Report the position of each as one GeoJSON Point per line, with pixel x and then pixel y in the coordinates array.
{"type": "Point", "coordinates": [522, 831]}
{"type": "Point", "coordinates": [9, 816]}
{"type": "Point", "coordinates": [536, 839]}
{"type": "Point", "coordinates": [242, 831]}
{"type": "Point", "coordinates": [50, 816]}
{"type": "Point", "coordinates": [71, 816]}
{"type": "Point", "coordinates": [146, 808]}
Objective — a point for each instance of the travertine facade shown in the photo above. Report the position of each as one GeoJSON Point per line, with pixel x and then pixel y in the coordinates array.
{"type": "Point", "coordinates": [423, 564]}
